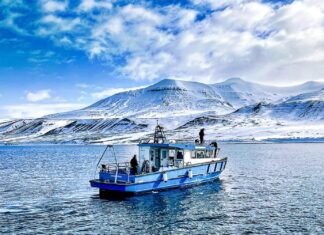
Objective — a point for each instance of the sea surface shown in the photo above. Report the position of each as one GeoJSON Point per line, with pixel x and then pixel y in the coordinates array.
{"type": "Point", "coordinates": [265, 189]}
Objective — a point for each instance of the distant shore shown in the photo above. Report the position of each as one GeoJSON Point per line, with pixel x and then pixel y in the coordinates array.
{"type": "Point", "coordinates": [234, 141]}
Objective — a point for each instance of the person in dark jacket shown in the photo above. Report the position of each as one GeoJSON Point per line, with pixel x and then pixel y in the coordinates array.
{"type": "Point", "coordinates": [201, 135]}
{"type": "Point", "coordinates": [134, 164]}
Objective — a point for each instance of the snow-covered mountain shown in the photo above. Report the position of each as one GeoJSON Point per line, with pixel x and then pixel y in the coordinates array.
{"type": "Point", "coordinates": [303, 107]}
{"type": "Point", "coordinates": [300, 116]}
{"type": "Point", "coordinates": [240, 93]}
{"type": "Point", "coordinates": [66, 131]}
{"type": "Point", "coordinates": [181, 98]}
{"type": "Point", "coordinates": [233, 109]}
{"type": "Point", "coordinates": [163, 99]}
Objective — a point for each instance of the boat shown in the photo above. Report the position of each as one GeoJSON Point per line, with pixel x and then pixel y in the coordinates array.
{"type": "Point", "coordinates": [160, 165]}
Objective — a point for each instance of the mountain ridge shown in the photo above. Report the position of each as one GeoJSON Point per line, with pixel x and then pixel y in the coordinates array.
{"type": "Point", "coordinates": [170, 96]}
{"type": "Point", "coordinates": [233, 109]}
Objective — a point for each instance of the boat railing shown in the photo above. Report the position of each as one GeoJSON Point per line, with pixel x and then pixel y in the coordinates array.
{"type": "Point", "coordinates": [117, 168]}
{"type": "Point", "coordinates": [217, 150]}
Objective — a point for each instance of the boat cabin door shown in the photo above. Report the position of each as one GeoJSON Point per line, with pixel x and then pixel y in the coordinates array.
{"type": "Point", "coordinates": [164, 157]}
{"type": "Point", "coordinates": [155, 158]}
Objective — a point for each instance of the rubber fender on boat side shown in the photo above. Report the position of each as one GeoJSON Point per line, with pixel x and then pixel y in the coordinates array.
{"type": "Point", "coordinates": [190, 173]}
{"type": "Point", "coordinates": [165, 177]}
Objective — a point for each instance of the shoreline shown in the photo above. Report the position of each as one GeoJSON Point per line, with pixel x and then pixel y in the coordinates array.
{"type": "Point", "coordinates": [237, 141]}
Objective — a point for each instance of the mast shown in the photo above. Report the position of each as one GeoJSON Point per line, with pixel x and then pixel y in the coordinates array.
{"type": "Point", "coordinates": [159, 136]}
{"type": "Point", "coordinates": [112, 150]}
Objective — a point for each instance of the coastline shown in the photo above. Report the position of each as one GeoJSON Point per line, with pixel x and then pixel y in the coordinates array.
{"type": "Point", "coordinates": [232, 141]}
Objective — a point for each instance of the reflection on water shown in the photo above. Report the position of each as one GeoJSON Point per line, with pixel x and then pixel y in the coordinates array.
{"type": "Point", "coordinates": [266, 188]}
{"type": "Point", "coordinates": [162, 211]}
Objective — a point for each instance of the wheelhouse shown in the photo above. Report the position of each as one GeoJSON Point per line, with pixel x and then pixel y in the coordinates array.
{"type": "Point", "coordinates": [159, 157]}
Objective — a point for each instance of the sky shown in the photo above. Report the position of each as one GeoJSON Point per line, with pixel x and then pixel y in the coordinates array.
{"type": "Point", "coordinates": [60, 55]}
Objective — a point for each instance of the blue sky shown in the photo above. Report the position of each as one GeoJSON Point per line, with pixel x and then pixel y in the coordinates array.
{"type": "Point", "coordinates": [58, 55]}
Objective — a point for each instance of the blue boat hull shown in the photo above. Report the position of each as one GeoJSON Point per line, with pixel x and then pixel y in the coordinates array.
{"type": "Point", "coordinates": [154, 182]}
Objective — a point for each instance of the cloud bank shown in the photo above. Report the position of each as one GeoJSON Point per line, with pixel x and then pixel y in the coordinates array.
{"type": "Point", "coordinates": [203, 40]}
{"type": "Point", "coordinates": [38, 95]}
{"type": "Point", "coordinates": [32, 110]}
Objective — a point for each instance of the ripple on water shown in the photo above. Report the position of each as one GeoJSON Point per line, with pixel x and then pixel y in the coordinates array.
{"type": "Point", "coordinates": [265, 189]}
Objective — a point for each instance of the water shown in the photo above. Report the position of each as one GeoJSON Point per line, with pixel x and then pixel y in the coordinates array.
{"type": "Point", "coordinates": [266, 188]}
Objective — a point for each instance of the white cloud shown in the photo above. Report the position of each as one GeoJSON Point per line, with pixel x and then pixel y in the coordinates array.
{"type": "Point", "coordinates": [111, 91]}
{"type": "Point", "coordinates": [53, 6]}
{"type": "Point", "coordinates": [112, 26]}
{"type": "Point", "coordinates": [132, 29]}
{"type": "Point", "coordinates": [83, 85]}
{"type": "Point", "coordinates": [31, 110]}
{"type": "Point", "coordinates": [10, 18]}
{"type": "Point", "coordinates": [185, 17]}
{"type": "Point", "coordinates": [38, 95]}
{"type": "Point", "coordinates": [252, 39]}
{"type": "Point", "coordinates": [65, 41]}
{"type": "Point", "coordinates": [58, 24]}
{"type": "Point", "coordinates": [138, 13]}
{"type": "Point", "coordinates": [88, 5]}
{"type": "Point", "coordinates": [96, 49]}
{"type": "Point", "coordinates": [83, 96]}
{"type": "Point", "coordinates": [149, 68]}
{"type": "Point", "coordinates": [219, 3]}
{"type": "Point", "coordinates": [88, 86]}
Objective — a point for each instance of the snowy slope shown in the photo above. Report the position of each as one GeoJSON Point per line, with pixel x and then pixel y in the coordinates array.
{"type": "Point", "coordinates": [163, 99]}
{"type": "Point", "coordinates": [317, 95]}
{"type": "Point", "coordinates": [249, 129]}
{"type": "Point", "coordinates": [65, 131]}
{"type": "Point", "coordinates": [300, 116]}
{"type": "Point", "coordinates": [303, 107]}
{"type": "Point", "coordinates": [262, 112]}
{"type": "Point", "coordinates": [180, 98]}
{"type": "Point", "coordinates": [241, 93]}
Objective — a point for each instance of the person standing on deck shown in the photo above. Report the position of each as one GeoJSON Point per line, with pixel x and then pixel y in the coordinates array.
{"type": "Point", "coordinates": [134, 164]}
{"type": "Point", "coordinates": [201, 135]}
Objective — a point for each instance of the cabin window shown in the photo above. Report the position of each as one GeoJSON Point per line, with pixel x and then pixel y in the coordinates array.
{"type": "Point", "coordinates": [209, 153]}
{"type": "Point", "coordinates": [144, 153]}
{"type": "Point", "coordinates": [171, 157]}
{"type": "Point", "coordinates": [179, 155]}
{"type": "Point", "coordinates": [157, 160]}
{"type": "Point", "coordinates": [152, 155]}
{"type": "Point", "coordinates": [164, 157]}
{"type": "Point", "coordinates": [193, 154]}
{"type": "Point", "coordinates": [171, 153]}
{"type": "Point", "coordinates": [200, 154]}
{"type": "Point", "coordinates": [164, 154]}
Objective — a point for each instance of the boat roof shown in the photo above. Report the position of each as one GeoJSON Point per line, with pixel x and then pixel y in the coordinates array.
{"type": "Point", "coordinates": [178, 146]}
